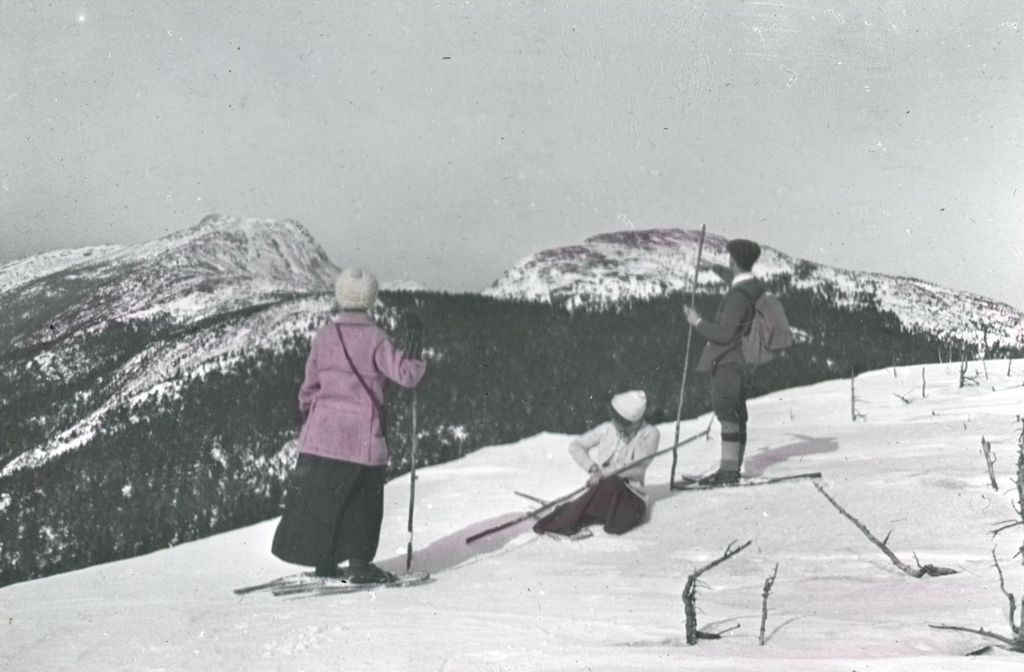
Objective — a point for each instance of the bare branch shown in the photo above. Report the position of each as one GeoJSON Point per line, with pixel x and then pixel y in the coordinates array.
{"type": "Point", "coordinates": [1019, 508]}
{"type": "Point", "coordinates": [964, 378]}
{"type": "Point", "coordinates": [854, 413]}
{"type": "Point", "coordinates": [765, 592]}
{"type": "Point", "coordinates": [990, 462]}
{"type": "Point", "coordinates": [926, 570]}
{"type": "Point", "coordinates": [690, 590]}
{"type": "Point", "coordinates": [976, 631]}
{"type": "Point", "coordinates": [1009, 596]}
{"type": "Point", "coordinates": [730, 551]}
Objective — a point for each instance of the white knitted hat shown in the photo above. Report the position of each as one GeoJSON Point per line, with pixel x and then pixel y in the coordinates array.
{"type": "Point", "coordinates": [355, 289]}
{"type": "Point", "coordinates": [630, 405]}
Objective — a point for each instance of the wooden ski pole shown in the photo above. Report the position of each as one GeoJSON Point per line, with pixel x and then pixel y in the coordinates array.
{"type": "Point", "coordinates": [686, 360]}
{"type": "Point", "coordinates": [555, 502]}
{"type": "Point", "coordinates": [412, 482]}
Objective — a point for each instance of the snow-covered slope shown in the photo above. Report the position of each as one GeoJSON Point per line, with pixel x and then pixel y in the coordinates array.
{"type": "Point", "coordinates": [163, 312]}
{"type": "Point", "coordinates": [23, 271]}
{"type": "Point", "coordinates": [515, 601]}
{"type": "Point", "coordinates": [614, 267]}
{"type": "Point", "coordinates": [164, 366]}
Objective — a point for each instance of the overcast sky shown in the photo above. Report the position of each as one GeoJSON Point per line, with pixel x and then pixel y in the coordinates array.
{"type": "Point", "coordinates": [443, 141]}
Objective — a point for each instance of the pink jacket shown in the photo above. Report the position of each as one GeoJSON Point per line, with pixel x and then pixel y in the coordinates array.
{"type": "Point", "coordinates": [342, 421]}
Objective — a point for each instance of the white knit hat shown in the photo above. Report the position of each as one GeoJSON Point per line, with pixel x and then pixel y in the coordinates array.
{"type": "Point", "coordinates": [355, 289]}
{"type": "Point", "coordinates": [630, 405]}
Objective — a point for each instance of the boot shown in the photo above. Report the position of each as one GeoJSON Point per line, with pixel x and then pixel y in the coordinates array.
{"type": "Point", "coordinates": [327, 571]}
{"type": "Point", "coordinates": [362, 571]}
{"type": "Point", "coordinates": [721, 477]}
{"type": "Point", "coordinates": [729, 469]}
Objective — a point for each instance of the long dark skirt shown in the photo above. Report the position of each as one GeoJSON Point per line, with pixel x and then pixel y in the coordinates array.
{"type": "Point", "coordinates": [333, 512]}
{"type": "Point", "coordinates": [610, 502]}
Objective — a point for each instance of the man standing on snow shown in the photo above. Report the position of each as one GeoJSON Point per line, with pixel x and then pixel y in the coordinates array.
{"type": "Point", "coordinates": [723, 359]}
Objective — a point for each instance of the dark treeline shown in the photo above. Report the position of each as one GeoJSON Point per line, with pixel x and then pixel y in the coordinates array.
{"type": "Point", "coordinates": [209, 459]}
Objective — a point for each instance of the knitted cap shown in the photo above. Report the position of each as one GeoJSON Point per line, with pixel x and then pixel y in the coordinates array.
{"type": "Point", "coordinates": [745, 252]}
{"type": "Point", "coordinates": [630, 405]}
{"type": "Point", "coordinates": [355, 289]}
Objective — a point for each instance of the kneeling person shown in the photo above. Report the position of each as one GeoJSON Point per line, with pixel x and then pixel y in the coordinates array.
{"type": "Point", "coordinates": [616, 501]}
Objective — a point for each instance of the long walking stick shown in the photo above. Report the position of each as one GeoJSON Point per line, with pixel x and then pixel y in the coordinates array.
{"type": "Point", "coordinates": [686, 361]}
{"type": "Point", "coordinates": [556, 502]}
{"type": "Point", "coordinates": [412, 482]}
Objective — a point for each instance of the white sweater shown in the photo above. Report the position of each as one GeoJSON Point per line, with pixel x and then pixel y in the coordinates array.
{"type": "Point", "coordinates": [606, 448]}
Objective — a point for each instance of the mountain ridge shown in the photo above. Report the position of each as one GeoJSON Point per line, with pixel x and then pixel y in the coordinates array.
{"type": "Point", "coordinates": [610, 268]}
{"type": "Point", "coordinates": [128, 322]}
{"type": "Point", "coordinates": [220, 264]}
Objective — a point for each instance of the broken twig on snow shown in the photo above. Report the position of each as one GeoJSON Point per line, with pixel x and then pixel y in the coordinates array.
{"type": "Point", "coordinates": [990, 462]}
{"type": "Point", "coordinates": [922, 570]}
{"type": "Point", "coordinates": [768, 583]}
{"type": "Point", "coordinates": [964, 378]}
{"type": "Point", "coordinates": [905, 400]}
{"type": "Point", "coordinates": [690, 593]}
{"type": "Point", "coordinates": [1016, 643]}
{"type": "Point", "coordinates": [1017, 507]}
{"type": "Point", "coordinates": [1016, 629]}
{"type": "Point", "coordinates": [976, 631]}
{"type": "Point", "coordinates": [854, 413]}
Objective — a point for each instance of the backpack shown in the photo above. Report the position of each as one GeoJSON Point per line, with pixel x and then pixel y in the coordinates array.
{"type": "Point", "coordinates": [769, 333]}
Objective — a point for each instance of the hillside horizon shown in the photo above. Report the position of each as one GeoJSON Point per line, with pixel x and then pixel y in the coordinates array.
{"type": "Point", "coordinates": [120, 379]}
{"type": "Point", "coordinates": [59, 258]}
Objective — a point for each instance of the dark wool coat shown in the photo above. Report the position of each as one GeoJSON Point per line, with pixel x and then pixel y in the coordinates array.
{"type": "Point", "coordinates": [725, 331]}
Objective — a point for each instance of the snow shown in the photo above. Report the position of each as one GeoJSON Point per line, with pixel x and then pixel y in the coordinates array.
{"type": "Point", "coordinates": [156, 370]}
{"type": "Point", "coordinates": [515, 601]}
{"type": "Point", "coordinates": [20, 272]}
{"type": "Point", "coordinates": [615, 267]}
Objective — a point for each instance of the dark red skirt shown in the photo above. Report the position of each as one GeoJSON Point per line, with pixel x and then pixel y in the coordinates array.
{"type": "Point", "coordinates": [610, 503]}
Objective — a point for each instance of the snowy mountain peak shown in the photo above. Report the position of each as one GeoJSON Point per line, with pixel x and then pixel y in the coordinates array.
{"type": "Point", "coordinates": [167, 310]}
{"type": "Point", "coordinates": [219, 265]}
{"type": "Point", "coordinates": [23, 271]}
{"type": "Point", "coordinates": [611, 267]}
{"type": "Point", "coordinates": [644, 264]}
{"type": "Point", "coordinates": [218, 247]}
{"type": "Point", "coordinates": [653, 239]}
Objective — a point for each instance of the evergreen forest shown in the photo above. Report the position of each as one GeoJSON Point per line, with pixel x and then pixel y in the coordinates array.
{"type": "Point", "coordinates": [210, 458]}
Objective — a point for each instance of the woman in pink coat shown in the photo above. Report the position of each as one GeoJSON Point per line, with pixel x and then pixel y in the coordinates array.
{"type": "Point", "coordinates": [335, 501]}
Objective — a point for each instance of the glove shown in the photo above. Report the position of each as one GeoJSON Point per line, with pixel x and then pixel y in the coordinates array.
{"type": "Point", "coordinates": [692, 316]}
{"type": "Point", "coordinates": [412, 342]}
